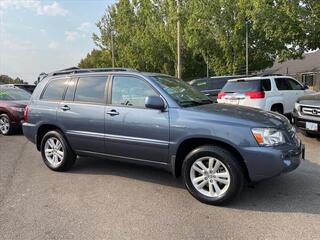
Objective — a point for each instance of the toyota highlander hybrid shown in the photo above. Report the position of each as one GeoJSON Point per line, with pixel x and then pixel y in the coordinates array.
{"type": "Point", "coordinates": [156, 120]}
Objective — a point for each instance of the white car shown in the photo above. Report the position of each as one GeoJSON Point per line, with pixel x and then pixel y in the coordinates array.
{"type": "Point", "coordinates": [270, 93]}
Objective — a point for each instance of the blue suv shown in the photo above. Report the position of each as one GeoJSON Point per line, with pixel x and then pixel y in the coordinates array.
{"type": "Point", "coordinates": [157, 120]}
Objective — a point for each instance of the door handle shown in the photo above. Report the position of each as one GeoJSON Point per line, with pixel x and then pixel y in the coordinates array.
{"type": "Point", "coordinates": [113, 112]}
{"type": "Point", "coordinates": [65, 108]}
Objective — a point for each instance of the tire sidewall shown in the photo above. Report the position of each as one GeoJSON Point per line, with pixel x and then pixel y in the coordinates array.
{"type": "Point", "coordinates": [236, 176]}
{"type": "Point", "coordinates": [64, 146]}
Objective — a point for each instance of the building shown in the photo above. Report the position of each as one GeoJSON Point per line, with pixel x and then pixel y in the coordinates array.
{"type": "Point", "coordinates": [306, 70]}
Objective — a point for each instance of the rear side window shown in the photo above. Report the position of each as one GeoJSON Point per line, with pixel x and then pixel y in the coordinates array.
{"type": "Point", "coordinates": [283, 84]}
{"type": "Point", "coordinates": [54, 90]}
{"type": "Point", "coordinates": [91, 90]}
{"type": "Point", "coordinates": [242, 86]}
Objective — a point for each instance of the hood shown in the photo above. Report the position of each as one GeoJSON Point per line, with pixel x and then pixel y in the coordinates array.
{"type": "Point", "coordinates": [313, 99]}
{"type": "Point", "coordinates": [241, 115]}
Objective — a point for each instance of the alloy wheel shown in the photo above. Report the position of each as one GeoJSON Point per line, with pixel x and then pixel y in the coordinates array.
{"type": "Point", "coordinates": [54, 151]}
{"type": "Point", "coordinates": [210, 176]}
{"type": "Point", "coordinates": [4, 125]}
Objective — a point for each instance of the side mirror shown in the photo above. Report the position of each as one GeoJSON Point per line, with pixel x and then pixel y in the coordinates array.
{"type": "Point", "coordinates": [305, 87]}
{"type": "Point", "coordinates": [154, 102]}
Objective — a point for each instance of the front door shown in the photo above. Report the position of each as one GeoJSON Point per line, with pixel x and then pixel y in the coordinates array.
{"type": "Point", "coordinates": [134, 132]}
{"type": "Point", "coordinates": [82, 113]}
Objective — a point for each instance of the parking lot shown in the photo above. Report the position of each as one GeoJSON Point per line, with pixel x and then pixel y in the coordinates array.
{"type": "Point", "coordinates": [101, 199]}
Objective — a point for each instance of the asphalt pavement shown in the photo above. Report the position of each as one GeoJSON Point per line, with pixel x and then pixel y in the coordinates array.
{"type": "Point", "coordinates": [101, 199]}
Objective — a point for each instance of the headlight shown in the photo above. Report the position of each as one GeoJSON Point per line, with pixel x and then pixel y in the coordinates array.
{"type": "Point", "coordinates": [268, 136]}
{"type": "Point", "coordinates": [17, 109]}
{"type": "Point", "coordinates": [297, 106]}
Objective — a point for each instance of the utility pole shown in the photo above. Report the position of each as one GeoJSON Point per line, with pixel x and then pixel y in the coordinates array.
{"type": "Point", "coordinates": [112, 48]}
{"type": "Point", "coordinates": [247, 47]}
{"type": "Point", "coordinates": [178, 41]}
{"type": "Point", "coordinates": [207, 58]}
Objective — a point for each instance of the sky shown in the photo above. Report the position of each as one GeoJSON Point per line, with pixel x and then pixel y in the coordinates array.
{"type": "Point", "coordinates": [46, 35]}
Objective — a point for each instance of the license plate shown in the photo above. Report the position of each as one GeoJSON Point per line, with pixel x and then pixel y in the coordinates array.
{"type": "Point", "coordinates": [233, 101]}
{"type": "Point", "coordinates": [312, 126]}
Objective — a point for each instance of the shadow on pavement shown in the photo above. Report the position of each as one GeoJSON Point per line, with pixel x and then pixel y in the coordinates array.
{"type": "Point", "coordinates": [298, 191]}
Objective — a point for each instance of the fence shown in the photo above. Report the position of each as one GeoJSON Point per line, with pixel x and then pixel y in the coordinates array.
{"type": "Point", "coordinates": [311, 79]}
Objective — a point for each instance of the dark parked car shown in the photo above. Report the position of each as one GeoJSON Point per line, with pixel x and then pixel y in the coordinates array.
{"type": "Point", "coordinates": [12, 104]}
{"type": "Point", "coordinates": [212, 86]}
{"type": "Point", "coordinates": [306, 114]}
{"type": "Point", "coordinates": [27, 87]}
{"type": "Point", "coordinates": [157, 120]}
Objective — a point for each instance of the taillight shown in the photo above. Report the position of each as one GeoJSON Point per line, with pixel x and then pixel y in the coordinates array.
{"type": "Point", "coordinates": [221, 94]}
{"type": "Point", "coordinates": [255, 95]}
{"type": "Point", "coordinates": [25, 114]}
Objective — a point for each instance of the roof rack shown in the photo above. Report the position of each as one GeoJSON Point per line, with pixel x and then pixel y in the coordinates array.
{"type": "Point", "coordinates": [74, 70]}
{"type": "Point", "coordinates": [270, 75]}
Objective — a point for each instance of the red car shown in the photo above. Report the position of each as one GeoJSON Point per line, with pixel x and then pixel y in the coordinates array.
{"type": "Point", "coordinates": [12, 104]}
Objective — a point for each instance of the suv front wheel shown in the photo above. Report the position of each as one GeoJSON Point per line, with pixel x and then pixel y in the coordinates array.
{"type": "Point", "coordinates": [56, 152]}
{"type": "Point", "coordinates": [212, 175]}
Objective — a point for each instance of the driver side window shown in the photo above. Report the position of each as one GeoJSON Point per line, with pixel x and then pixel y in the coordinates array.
{"type": "Point", "coordinates": [130, 91]}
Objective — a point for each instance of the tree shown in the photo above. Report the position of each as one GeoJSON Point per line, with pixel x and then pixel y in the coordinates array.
{"type": "Point", "coordinates": [213, 32]}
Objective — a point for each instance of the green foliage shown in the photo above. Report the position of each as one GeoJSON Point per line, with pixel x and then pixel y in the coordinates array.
{"type": "Point", "coordinates": [213, 31]}
{"type": "Point", "coordinates": [4, 79]}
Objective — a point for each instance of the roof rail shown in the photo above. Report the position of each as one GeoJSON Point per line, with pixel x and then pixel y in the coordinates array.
{"type": "Point", "coordinates": [271, 74]}
{"type": "Point", "coordinates": [74, 70]}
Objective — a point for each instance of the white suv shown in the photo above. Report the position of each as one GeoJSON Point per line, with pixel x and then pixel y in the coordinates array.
{"type": "Point", "coordinates": [275, 93]}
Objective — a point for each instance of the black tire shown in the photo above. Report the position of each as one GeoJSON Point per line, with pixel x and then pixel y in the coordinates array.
{"type": "Point", "coordinates": [69, 157]}
{"type": "Point", "coordinates": [229, 161]}
{"type": "Point", "coordinates": [5, 117]}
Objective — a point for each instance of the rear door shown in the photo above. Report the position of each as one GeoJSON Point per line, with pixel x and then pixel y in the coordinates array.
{"type": "Point", "coordinates": [82, 113]}
{"type": "Point", "coordinates": [287, 92]}
{"type": "Point", "coordinates": [134, 132]}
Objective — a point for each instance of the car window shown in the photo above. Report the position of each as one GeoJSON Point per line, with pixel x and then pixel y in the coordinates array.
{"type": "Point", "coordinates": [12, 94]}
{"type": "Point", "coordinates": [283, 84]}
{"type": "Point", "coordinates": [216, 83]}
{"type": "Point", "coordinates": [201, 84]}
{"type": "Point", "coordinates": [130, 91]}
{"type": "Point", "coordinates": [243, 85]}
{"type": "Point", "coordinates": [71, 87]}
{"type": "Point", "coordinates": [295, 85]}
{"type": "Point", "coordinates": [91, 89]}
{"type": "Point", "coordinates": [266, 85]}
{"type": "Point", "coordinates": [54, 90]}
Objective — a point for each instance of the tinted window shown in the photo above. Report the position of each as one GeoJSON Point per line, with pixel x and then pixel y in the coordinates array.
{"type": "Point", "coordinates": [71, 86]}
{"type": "Point", "coordinates": [54, 90]}
{"type": "Point", "coordinates": [295, 85]}
{"type": "Point", "coordinates": [266, 85]}
{"type": "Point", "coordinates": [217, 83]}
{"type": "Point", "coordinates": [91, 89]}
{"type": "Point", "coordinates": [201, 84]}
{"type": "Point", "coordinates": [283, 84]}
{"type": "Point", "coordinates": [242, 85]}
{"type": "Point", "coordinates": [130, 91]}
{"type": "Point", "coordinates": [8, 94]}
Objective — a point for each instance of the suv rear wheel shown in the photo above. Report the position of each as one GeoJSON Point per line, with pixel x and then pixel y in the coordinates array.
{"type": "Point", "coordinates": [56, 152]}
{"type": "Point", "coordinates": [5, 125]}
{"type": "Point", "coordinates": [212, 175]}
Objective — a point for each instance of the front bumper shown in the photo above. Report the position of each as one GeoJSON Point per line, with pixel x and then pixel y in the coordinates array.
{"type": "Point", "coordinates": [300, 122]}
{"type": "Point", "coordinates": [266, 162]}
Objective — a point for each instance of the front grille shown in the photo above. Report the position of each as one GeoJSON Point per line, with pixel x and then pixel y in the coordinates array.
{"type": "Point", "coordinates": [310, 111]}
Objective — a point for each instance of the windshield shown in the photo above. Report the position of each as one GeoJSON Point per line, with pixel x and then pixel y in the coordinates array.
{"type": "Point", "coordinates": [184, 94]}
{"type": "Point", "coordinates": [14, 94]}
